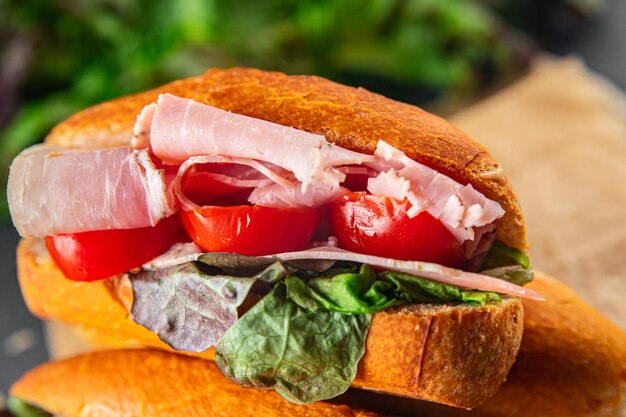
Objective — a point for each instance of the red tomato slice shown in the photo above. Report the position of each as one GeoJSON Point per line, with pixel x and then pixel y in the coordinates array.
{"type": "Point", "coordinates": [379, 226]}
{"type": "Point", "coordinates": [235, 226]}
{"type": "Point", "coordinates": [90, 256]}
{"type": "Point", "coordinates": [251, 230]}
{"type": "Point", "coordinates": [204, 190]}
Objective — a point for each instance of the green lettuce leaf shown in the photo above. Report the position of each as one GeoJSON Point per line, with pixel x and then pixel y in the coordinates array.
{"type": "Point", "coordinates": [349, 292]}
{"type": "Point", "coordinates": [503, 255]}
{"type": "Point", "coordinates": [363, 291]}
{"type": "Point", "coordinates": [197, 301]}
{"type": "Point", "coordinates": [21, 408]}
{"type": "Point", "coordinates": [413, 289]}
{"type": "Point", "coordinates": [304, 354]}
{"type": "Point", "coordinates": [242, 265]}
{"type": "Point", "coordinates": [187, 308]}
{"type": "Point", "coordinates": [507, 263]}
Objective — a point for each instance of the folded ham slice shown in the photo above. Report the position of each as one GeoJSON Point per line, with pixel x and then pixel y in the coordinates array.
{"type": "Point", "coordinates": [55, 190]}
{"type": "Point", "coordinates": [65, 191]}
{"type": "Point", "coordinates": [459, 207]}
{"type": "Point", "coordinates": [179, 128]}
{"type": "Point", "coordinates": [272, 188]}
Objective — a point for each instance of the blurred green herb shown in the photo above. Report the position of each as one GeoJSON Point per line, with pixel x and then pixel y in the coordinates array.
{"type": "Point", "coordinates": [59, 56]}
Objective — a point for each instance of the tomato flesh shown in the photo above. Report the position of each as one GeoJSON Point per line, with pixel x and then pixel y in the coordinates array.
{"type": "Point", "coordinates": [225, 222]}
{"type": "Point", "coordinates": [204, 190]}
{"type": "Point", "coordinates": [251, 230]}
{"type": "Point", "coordinates": [376, 225]}
{"type": "Point", "coordinates": [91, 256]}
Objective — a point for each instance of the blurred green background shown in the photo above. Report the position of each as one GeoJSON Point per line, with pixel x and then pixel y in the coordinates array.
{"type": "Point", "coordinates": [59, 56]}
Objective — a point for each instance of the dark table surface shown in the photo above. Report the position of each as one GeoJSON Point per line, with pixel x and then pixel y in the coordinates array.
{"type": "Point", "coordinates": [602, 44]}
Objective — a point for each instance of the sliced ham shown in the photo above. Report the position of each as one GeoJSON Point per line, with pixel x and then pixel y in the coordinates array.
{"type": "Point", "coordinates": [426, 270]}
{"type": "Point", "coordinates": [275, 195]}
{"type": "Point", "coordinates": [176, 255]}
{"type": "Point", "coordinates": [328, 250]}
{"type": "Point", "coordinates": [58, 190]}
{"type": "Point", "coordinates": [180, 128]}
{"type": "Point", "coordinates": [141, 131]}
{"type": "Point", "coordinates": [272, 186]}
{"type": "Point", "coordinates": [459, 207]}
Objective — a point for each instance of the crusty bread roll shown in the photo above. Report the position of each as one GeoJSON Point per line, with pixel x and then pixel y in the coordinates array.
{"type": "Point", "coordinates": [572, 363]}
{"type": "Point", "coordinates": [149, 383]}
{"type": "Point", "coordinates": [353, 118]}
{"type": "Point", "coordinates": [407, 348]}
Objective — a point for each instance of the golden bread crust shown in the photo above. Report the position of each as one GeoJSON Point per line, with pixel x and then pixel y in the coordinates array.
{"type": "Point", "coordinates": [149, 383]}
{"type": "Point", "coordinates": [353, 118]}
{"type": "Point", "coordinates": [572, 363]}
{"type": "Point", "coordinates": [456, 355]}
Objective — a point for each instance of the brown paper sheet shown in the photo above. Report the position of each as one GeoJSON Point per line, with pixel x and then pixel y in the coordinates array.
{"type": "Point", "coordinates": [560, 135]}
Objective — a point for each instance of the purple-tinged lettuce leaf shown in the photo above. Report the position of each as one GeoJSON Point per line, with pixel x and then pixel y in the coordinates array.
{"type": "Point", "coordinates": [187, 308]}
{"type": "Point", "coordinates": [190, 306]}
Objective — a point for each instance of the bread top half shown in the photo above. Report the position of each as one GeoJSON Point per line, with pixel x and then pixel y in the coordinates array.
{"type": "Point", "coordinates": [353, 118]}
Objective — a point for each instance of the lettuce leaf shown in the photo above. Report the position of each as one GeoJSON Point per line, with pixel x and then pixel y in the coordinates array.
{"type": "Point", "coordinates": [348, 292]}
{"type": "Point", "coordinates": [196, 302]}
{"type": "Point", "coordinates": [507, 263]}
{"type": "Point", "coordinates": [190, 306]}
{"type": "Point", "coordinates": [21, 408]}
{"type": "Point", "coordinates": [413, 289]}
{"type": "Point", "coordinates": [304, 354]}
{"type": "Point", "coordinates": [232, 263]}
{"type": "Point", "coordinates": [363, 291]}
{"type": "Point", "coordinates": [187, 308]}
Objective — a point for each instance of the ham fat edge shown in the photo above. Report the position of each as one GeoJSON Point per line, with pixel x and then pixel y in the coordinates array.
{"type": "Point", "coordinates": [55, 190]}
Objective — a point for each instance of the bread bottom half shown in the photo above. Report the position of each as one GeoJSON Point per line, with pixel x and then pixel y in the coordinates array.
{"type": "Point", "coordinates": [452, 354]}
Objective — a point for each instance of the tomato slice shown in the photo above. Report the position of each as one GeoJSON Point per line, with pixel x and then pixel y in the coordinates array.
{"type": "Point", "coordinates": [225, 222]}
{"type": "Point", "coordinates": [90, 256]}
{"type": "Point", "coordinates": [204, 190]}
{"type": "Point", "coordinates": [379, 226]}
{"type": "Point", "coordinates": [251, 230]}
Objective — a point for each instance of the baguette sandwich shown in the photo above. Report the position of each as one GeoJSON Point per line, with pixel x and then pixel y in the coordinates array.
{"type": "Point", "coordinates": [305, 235]}
{"type": "Point", "coordinates": [572, 363]}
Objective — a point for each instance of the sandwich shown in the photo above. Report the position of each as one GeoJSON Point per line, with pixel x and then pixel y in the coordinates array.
{"type": "Point", "coordinates": [304, 235]}
{"type": "Point", "coordinates": [572, 363]}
